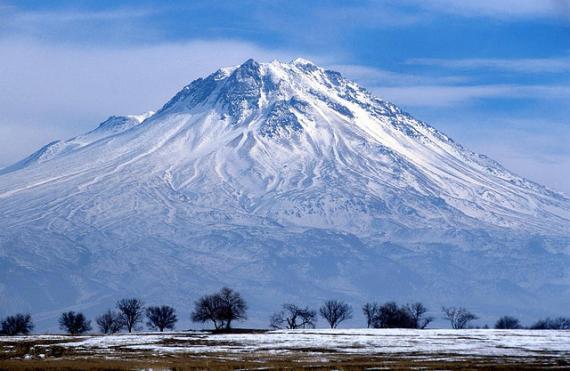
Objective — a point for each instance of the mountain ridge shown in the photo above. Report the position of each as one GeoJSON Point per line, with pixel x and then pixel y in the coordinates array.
{"type": "Point", "coordinates": [263, 159]}
{"type": "Point", "coordinates": [237, 92]}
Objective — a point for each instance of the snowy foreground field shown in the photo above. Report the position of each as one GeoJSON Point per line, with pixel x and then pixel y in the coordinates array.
{"type": "Point", "coordinates": [343, 349]}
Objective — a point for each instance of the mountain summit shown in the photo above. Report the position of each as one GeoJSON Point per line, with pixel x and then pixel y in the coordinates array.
{"type": "Point", "coordinates": [285, 180]}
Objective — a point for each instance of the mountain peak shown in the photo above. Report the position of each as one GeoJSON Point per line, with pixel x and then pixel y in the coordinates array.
{"type": "Point", "coordinates": [302, 61]}
{"type": "Point", "coordinates": [250, 63]}
{"type": "Point", "coordinates": [121, 123]}
{"type": "Point", "coordinates": [143, 116]}
{"type": "Point", "coordinates": [265, 171]}
{"type": "Point", "coordinates": [294, 114]}
{"type": "Point", "coordinates": [247, 88]}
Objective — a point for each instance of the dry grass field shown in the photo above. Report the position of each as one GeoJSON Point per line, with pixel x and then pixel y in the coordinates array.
{"type": "Point", "coordinates": [300, 349]}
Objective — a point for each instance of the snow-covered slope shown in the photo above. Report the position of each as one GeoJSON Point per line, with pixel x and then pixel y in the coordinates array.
{"type": "Point", "coordinates": [112, 126]}
{"type": "Point", "coordinates": [274, 177]}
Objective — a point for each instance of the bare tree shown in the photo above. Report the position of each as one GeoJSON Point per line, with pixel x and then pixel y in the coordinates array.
{"type": "Point", "coordinates": [110, 322]}
{"type": "Point", "coordinates": [206, 309]}
{"type": "Point", "coordinates": [293, 317]}
{"type": "Point", "coordinates": [458, 317]}
{"type": "Point", "coordinates": [74, 323]}
{"type": "Point", "coordinates": [132, 311]}
{"type": "Point", "coordinates": [560, 323]}
{"type": "Point", "coordinates": [335, 312]}
{"type": "Point", "coordinates": [221, 308]}
{"type": "Point", "coordinates": [508, 322]}
{"type": "Point", "coordinates": [163, 317]}
{"type": "Point", "coordinates": [417, 311]}
{"type": "Point", "coordinates": [18, 324]}
{"type": "Point", "coordinates": [233, 306]}
{"type": "Point", "coordinates": [370, 311]}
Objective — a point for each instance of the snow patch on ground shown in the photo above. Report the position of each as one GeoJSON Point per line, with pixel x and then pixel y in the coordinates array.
{"type": "Point", "coordinates": [492, 343]}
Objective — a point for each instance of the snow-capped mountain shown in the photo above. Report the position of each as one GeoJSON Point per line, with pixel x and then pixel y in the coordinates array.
{"type": "Point", "coordinates": [288, 182]}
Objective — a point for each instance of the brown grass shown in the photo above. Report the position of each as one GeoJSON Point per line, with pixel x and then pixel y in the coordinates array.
{"type": "Point", "coordinates": [301, 360]}
{"type": "Point", "coordinates": [59, 357]}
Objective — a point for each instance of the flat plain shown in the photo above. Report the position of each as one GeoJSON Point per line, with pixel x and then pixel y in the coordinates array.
{"type": "Point", "coordinates": [349, 349]}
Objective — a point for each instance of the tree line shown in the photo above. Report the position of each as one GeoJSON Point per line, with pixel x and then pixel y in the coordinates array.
{"type": "Point", "coordinates": [227, 306]}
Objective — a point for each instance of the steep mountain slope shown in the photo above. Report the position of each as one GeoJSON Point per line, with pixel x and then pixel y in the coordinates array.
{"type": "Point", "coordinates": [287, 181]}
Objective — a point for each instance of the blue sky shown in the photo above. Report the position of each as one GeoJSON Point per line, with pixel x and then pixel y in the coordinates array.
{"type": "Point", "coordinates": [494, 75]}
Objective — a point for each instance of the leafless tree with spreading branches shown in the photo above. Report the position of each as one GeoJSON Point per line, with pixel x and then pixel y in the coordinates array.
{"type": "Point", "coordinates": [110, 322]}
{"type": "Point", "coordinates": [74, 323]}
{"type": "Point", "coordinates": [293, 317]}
{"type": "Point", "coordinates": [370, 311]}
{"type": "Point", "coordinates": [132, 310]}
{"type": "Point", "coordinates": [161, 317]}
{"type": "Point", "coordinates": [221, 308]}
{"type": "Point", "coordinates": [18, 324]}
{"type": "Point", "coordinates": [418, 313]}
{"type": "Point", "coordinates": [458, 317]}
{"type": "Point", "coordinates": [335, 312]}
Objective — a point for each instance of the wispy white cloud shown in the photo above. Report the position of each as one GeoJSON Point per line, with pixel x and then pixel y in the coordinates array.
{"type": "Point", "coordinates": [423, 90]}
{"type": "Point", "coordinates": [82, 15]}
{"type": "Point", "coordinates": [445, 90]}
{"type": "Point", "coordinates": [372, 76]}
{"type": "Point", "coordinates": [544, 170]}
{"type": "Point", "coordinates": [371, 14]}
{"type": "Point", "coordinates": [448, 95]}
{"type": "Point", "coordinates": [535, 147]}
{"type": "Point", "coordinates": [113, 24]}
{"type": "Point", "coordinates": [500, 9]}
{"type": "Point", "coordinates": [529, 65]}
